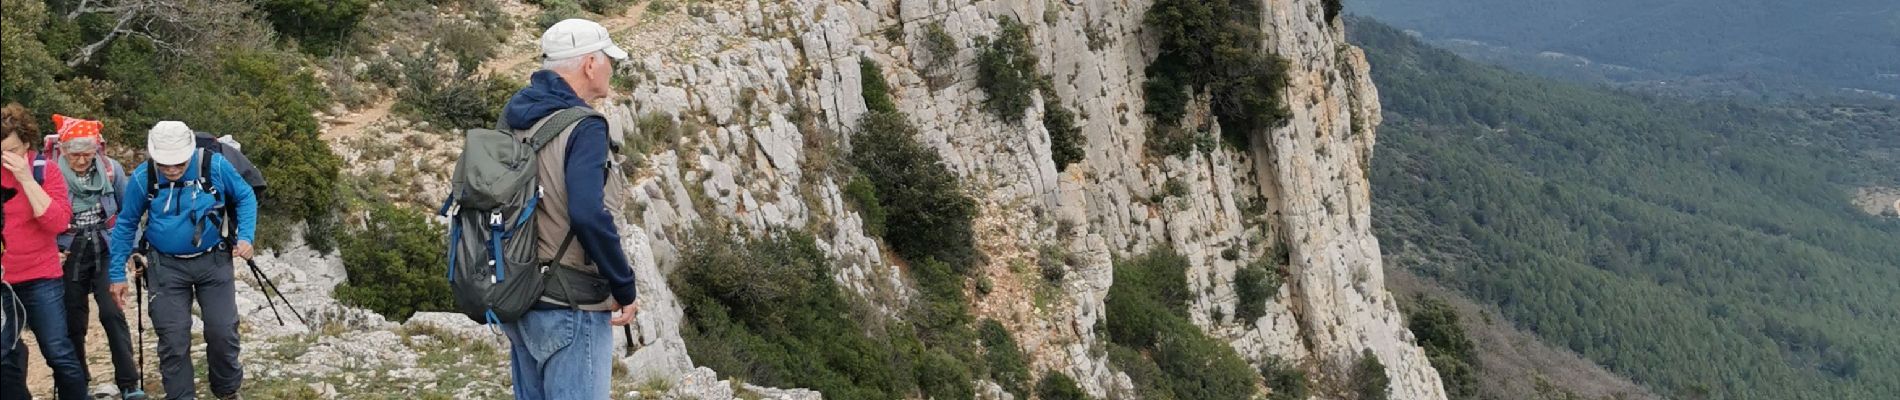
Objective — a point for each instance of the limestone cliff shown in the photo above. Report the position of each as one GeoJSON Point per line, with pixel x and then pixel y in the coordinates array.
{"type": "Point", "coordinates": [763, 81]}
{"type": "Point", "coordinates": [761, 91]}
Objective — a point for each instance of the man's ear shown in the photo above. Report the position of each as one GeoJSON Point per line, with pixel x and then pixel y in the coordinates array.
{"type": "Point", "coordinates": [601, 65]}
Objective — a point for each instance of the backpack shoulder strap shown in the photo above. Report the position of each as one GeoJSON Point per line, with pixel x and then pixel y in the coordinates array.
{"type": "Point", "coordinates": [112, 169]}
{"type": "Point", "coordinates": [39, 167]}
{"type": "Point", "coordinates": [552, 126]}
{"type": "Point", "coordinates": [151, 180]}
{"type": "Point", "coordinates": [204, 170]}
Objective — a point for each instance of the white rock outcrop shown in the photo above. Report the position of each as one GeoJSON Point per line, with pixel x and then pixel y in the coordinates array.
{"type": "Point", "coordinates": [754, 94]}
{"type": "Point", "coordinates": [769, 84]}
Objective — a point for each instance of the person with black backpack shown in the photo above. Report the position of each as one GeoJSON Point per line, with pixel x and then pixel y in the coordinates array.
{"type": "Point", "coordinates": [177, 208]}
{"type": "Point", "coordinates": [534, 247]}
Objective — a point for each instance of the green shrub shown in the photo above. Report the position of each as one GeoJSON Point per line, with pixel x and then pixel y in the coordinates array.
{"type": "Point", "coordinates": [1007, 367]}
{"type": "Point", "coordinates": [1054, 262]}
{"type": "Point", "coordinates": [1006, 70]}
{"type": "Point", "coordinates": [942, 376]}
{"type": "Point", "coordinates": [264, 99]}
{"type": "Point", "coordinates": [1059, 386]}
{"type": "Point", "coordinates": [597, 6]}
{"type": "Point", "coordinates": [1150, 382]}
{"type": "Point", "coordinates": [450, 99]}
{"type": "Point", "coordinates": [1436, 326]}
{"type": "Point", "coordinates": [606, 7]}
{"type": "Point", "coordinates": [877, 91]}
{"type": "Point", "coordinates": [1147, 314]}
{"type": "Point", "coordinates": [555, 11]}
{"type": "Point", "coordinates": [1255, 285]}
{"type": "Point", "coordinates": [29, 76]}
{"type": "Point", "coordinates": [396, 265]}
{"type": "Point", "coordinates": [653, 130]}
{"type": "Point", "coordinates": [1287, 381]}
{"type": "Point", "coordinates": [864, 195]}
{"type": "Point", "coordinates": [767, 311]}
{"type": "Point", "coordinates": [1065, 139]}
{"type": "Point", "coordinates": [942, 317]}
{"type": "Point", "coordinates": [662, 6]}
{"type": "Point", "coordinates": [941, 46]}
{"type": "Point", "coordinates": [928, 215]}
{"type": "Point", "coordinates": [1369, 380]}
{"type": "Point", "coordinates": [319, 25]}
{"type": "Point", "coordinates": [468, 44]}
{"type": "Point", "coordinates": [1213, 47]}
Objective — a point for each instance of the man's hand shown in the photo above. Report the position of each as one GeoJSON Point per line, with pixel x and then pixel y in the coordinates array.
{"type": "Point", "coordinates": [118, 294]}
{"type": "Point", "coordinates": [625, 314]}
{"type": "Point", "coordinates": [62, 258]}
{"type": "Point", "coordinates": [243, 250]}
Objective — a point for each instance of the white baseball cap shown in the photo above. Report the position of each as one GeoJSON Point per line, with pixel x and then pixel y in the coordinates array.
{"type": "Point", "coordinates": [578, 37]}
{"type": "Point", "coordinates": [170, 143]}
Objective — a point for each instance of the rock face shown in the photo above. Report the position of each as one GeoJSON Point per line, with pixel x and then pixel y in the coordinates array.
{"type": "Point", "coordinates": [763, 89]}
{"type": "Point", "coordinates": [736, 106]}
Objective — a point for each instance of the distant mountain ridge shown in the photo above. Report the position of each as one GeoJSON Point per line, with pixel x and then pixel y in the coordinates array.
{"type": "Point", "coordinates": [1829, 46]}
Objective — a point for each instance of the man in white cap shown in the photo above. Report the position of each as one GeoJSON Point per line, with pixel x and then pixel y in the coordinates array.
{"type": "Point", "coordinates": [180, 194]}
{"type": "Point", "coordinates": [563, 347]}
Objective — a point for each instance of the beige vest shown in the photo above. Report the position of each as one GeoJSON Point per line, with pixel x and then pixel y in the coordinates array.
{"type": "Point", "coordinates": [550, 216]}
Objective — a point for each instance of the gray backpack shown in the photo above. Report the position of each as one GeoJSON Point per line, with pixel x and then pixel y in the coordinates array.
{"type": "Point", "coordinates": [493, 271]}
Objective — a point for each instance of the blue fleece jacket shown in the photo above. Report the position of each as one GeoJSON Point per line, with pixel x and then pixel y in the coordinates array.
{"type": "Point", "coordinates": [587, 152]}
{"type": "Point", "coordinates": [176, 212]}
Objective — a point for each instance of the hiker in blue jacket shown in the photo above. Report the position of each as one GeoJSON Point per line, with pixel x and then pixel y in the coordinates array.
{"type": "Point", "coordinates": [190, 253]}
{"type": "Point", "coordinates": [563, 346]}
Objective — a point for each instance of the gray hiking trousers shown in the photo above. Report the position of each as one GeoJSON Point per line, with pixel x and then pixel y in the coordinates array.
{"type": "Point", "coordinates": [175, 282]}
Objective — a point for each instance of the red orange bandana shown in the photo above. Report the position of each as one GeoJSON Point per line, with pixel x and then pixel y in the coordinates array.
{"type": "Point", "coordinates": [74, 128]}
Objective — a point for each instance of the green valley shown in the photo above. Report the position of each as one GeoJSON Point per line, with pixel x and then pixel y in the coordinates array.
{"type": "Point", "coordinates": [1708, 250]}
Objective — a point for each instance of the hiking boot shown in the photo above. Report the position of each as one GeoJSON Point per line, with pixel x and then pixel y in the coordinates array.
{"type": "Point", "coordinates": [233, 396]}
{"type": "Point", "coordinates": [135, 394]}
{"type": "Point", "coordinates": [103, 392]}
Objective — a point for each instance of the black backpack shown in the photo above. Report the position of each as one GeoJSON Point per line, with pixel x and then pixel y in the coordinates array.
{"type": "Point", "coordinates": [208, 145]}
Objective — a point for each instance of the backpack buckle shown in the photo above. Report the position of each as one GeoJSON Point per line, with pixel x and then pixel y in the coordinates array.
{"type": "Point", "coordinates": [494, 219]}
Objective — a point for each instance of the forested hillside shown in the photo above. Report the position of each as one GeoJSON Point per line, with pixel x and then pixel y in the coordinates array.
{"type": "Point", "coordinates": [1749, 43]}
{"type": "Point", "coordinates": [1707, 250]}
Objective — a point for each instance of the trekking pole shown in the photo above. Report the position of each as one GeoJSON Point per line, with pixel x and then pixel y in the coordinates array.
{"type": "Point", "coordinates": [629, 329]}
{"type": "Point", "coordinates": [272, 287]}
{"type": "Point", "coordinates": [138, 292]}
{"type": "Point", "coordinates": [259, 277]}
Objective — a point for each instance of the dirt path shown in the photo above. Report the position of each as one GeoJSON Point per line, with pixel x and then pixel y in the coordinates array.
{"type": "Point", "coordinates": [519, 59]}
{"type": "Point", "coordinates": [354, 124]}
{"type": "Point", "coordinates": [523, 59]}
{"type": "Point", "coordinates": [39, 378]}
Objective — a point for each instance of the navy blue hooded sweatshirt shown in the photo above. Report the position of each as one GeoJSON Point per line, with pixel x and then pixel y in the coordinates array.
{"type": "Point", "coordinates": [587, 150]}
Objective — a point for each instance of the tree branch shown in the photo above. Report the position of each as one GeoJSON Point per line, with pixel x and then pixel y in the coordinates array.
{"type": "Point", "coordinates": [85, 8]}
{"type": "Point", "coordinates": [85, 53]}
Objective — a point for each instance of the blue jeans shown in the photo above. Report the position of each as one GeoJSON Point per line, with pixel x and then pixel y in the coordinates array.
{"type": "Point", "coordinates": [561, 354]}
{"type": "Point", "coordinates": [45, 302]}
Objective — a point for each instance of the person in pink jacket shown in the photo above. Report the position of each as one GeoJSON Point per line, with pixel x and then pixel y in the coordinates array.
{"type": "Point", "coordinates": [36, 211]}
